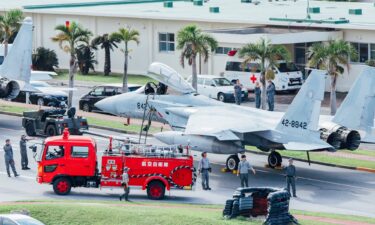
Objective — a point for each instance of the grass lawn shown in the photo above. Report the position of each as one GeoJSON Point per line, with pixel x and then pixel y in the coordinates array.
{"type": "Point", "coordinates": [316, 156]}
{"type": "Point", "coordinates": [118, 125]}
{"type": "Point", "coordinates": [80, 213]}
{"type": "Point", "coordinates": [13, 109]}
{"type": "Point", "coordinates": [100, 78]}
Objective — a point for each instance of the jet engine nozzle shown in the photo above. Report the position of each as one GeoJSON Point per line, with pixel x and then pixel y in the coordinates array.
{"type": "Point", "coordinates": [331, 138]}
{"type": "Point", "coordinates": [351, 139]}
{"type": "Point", "coordinates": [9, 89]}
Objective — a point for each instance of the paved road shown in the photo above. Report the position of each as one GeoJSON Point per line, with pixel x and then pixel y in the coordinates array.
{"type": "Point", "coordinates": [320, 188]}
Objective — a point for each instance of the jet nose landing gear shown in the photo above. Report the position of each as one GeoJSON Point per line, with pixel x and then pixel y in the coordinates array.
{"type": "Point", "coordinates": [274, 159]}
{"type": "Point", "coordinates": [232, 162]}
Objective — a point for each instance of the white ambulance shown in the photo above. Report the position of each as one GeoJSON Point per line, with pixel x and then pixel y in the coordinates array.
{"type": "Point", "coordinates": [287, 76]}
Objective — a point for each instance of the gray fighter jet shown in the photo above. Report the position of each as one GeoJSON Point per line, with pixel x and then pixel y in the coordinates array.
{"type": "Point", "coordinates": [212, 126]}
{"type": "Point", "coordinates": [16, 69]}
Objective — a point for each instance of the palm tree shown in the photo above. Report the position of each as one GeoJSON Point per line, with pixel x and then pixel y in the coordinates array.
{"type": "Point", "coordinates": [85, 58]}
{"type": "Point", "coordinates": [73, 35]}
{"type": "Point", "coordinates": [9, 25]}
{"type": "Point", "coordinates": [192, 41]}
{"type": "Point", "coordinates": [332, 57]}
{"type": "Point", "coordinates": [125, 35]}
{"type": "Point", "coordinates": [268, 55]}
{"type": "Point", "coordinates": [45, 59]}
{"type": "Point", "coordinates": [107, 43]}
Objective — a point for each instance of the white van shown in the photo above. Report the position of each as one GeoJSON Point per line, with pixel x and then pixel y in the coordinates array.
{"type": "Point", "coordinates": [287, 75]}
{"type": "Point", "coordinates": [217, 87]}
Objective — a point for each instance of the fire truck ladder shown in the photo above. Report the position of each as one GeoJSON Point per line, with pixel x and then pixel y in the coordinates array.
{"type": "Point", "coordinates": [148, 114]}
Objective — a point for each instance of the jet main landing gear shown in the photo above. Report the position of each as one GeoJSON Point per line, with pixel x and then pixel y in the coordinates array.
{"type": "Point", "coordinates": [232, 162]}
{"type": "Point", "coordinates": [274, 159]}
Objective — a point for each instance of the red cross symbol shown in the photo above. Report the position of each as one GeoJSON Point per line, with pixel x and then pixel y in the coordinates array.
{"type": "Point", "coordinates": [253, 78]}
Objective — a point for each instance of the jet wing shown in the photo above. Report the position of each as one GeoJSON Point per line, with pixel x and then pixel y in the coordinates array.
{"type": "Point", "coordinates": [170, 77]}
{"type": "Point", "coordinates": [221, 122]}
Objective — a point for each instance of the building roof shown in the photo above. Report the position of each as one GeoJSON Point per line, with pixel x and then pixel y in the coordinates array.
{"type": "Point", "coordinates": [230, 11]}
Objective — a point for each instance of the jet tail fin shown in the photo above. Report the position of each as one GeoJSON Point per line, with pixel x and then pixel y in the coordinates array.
{"type": "Point", "coordinates": [302, 116]}
{"type": "Point", "coordinates": [17, 63]}
{"type": "Point", "coordinates": [357, 111]}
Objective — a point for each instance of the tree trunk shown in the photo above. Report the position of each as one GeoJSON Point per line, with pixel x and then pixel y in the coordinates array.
{"type": "Point", "coordinates": [333, 95]}
{"type": "Point", "coordinates": [264, 88]}
{"type": "Point", "coordinates": [107, 61]}
{"type": "Point", "coordinates": [71, 80]}
{"type": "Point", "coordinates": [194, 73]}
{"type": "Point", "coordinates": [5, 42]}
{"type": "Point", "coordinates": [125, 78]}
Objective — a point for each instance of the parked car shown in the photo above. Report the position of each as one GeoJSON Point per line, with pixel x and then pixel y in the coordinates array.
{"type": "Point", "coordinates": [217, 87]}
{"type": "Point", "coordinates": [18, 219]}
{"type": "Point", "coordinates": [87, 101]}
{"type": "Point", "coordinates": [47, 95]}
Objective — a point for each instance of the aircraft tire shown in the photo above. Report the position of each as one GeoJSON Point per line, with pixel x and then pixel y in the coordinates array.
{"type": "Point", "coordinates": [274, 159]}
{"type": "Point", "coordinates": [232, 162]}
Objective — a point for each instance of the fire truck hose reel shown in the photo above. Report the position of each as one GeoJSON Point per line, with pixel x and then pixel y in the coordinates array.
{"type": "Point", "coordinates": [169, 179]}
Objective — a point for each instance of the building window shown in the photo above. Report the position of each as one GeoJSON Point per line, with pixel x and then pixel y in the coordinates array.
{"type": "Point", "coordinates": [223, 50]}
{"type": "Point", "coordinates": [365, 51]}
{"type": "Point", "coordinates": [166, 42]}
{"type": "Point", "coordinates": [372, 51]}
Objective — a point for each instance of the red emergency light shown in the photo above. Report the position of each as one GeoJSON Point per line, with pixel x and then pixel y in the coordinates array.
{"type": "Point", "coordinates": [232, 52]}
{"type": "Point", "coordinates": [67, 24]}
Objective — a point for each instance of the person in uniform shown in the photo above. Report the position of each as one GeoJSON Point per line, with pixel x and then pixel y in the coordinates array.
{"type": "Point", "coordinates": [8, 155]}
{"type": "Point", "coordinates": [257, 92]}
{"type": "Point", "coordinates": [243, 171]}
{"type": "Point", "coordinates": [125, 184]}
{"type": "Point", "coordinates": [23, 148]}
{"type": "Point", "coordinates": [238, 92]}
{"type": "Point", "coordinates": [204, 169]}
{"type": "Point", "coordinates": [271, 95]}
{"type": "Point", "coordinates": [290, 172]}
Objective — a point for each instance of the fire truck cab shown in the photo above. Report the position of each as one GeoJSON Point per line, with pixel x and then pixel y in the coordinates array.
{"type": "Point", "coordinates": [68, 161]}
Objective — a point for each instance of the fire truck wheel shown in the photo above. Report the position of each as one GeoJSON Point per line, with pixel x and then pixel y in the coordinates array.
{"type": "Point", "coordinates": [51, 130]}
{"type": "Point", "coordinates": [155, 190]}
{"type": "Point", "coordinates": [62, 186]}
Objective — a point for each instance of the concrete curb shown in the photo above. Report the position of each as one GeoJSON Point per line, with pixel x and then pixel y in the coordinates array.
{"type": "Point", "coordinates": [321, 163]}
{"type": "Point", "coordinates": [57, 83]}
{"type": "Point", "coordinates": [258, 153]}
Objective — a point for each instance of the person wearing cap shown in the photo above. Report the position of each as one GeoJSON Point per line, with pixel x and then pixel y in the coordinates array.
{"type": "Point", "coordinates": [8, 155]}
{"type": "Point", "coordinates": [204, 168]}
{"type": "Point", "coordinates": [125, 184]}
{"type": "Point", "coordinates": [290, 172]}
{"type": "Point", "coordinates": [23, 149]}
{"type": "Point", "coordinates": [243, 171]}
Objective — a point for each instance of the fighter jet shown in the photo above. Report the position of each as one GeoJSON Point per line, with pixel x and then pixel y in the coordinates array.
{"type": "Point", "coordinates": [212, 126]}
{"type": "Point", "coordinates": [16, 68]}
{"type": "Point", "coordinates": [338, 133]}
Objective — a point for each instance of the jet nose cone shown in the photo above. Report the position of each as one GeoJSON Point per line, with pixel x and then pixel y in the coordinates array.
{"type": "Point", "coordinates": [107, 105]}
{"type": "Point", "coordinates": [167, 137]}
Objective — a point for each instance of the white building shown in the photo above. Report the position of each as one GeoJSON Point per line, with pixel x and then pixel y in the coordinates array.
{"type": "Point", "coordinates": [234, 23]}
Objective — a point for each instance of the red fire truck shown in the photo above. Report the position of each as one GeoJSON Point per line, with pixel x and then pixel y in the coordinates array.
{"type": "Point", "coordinates": [68, 161]}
